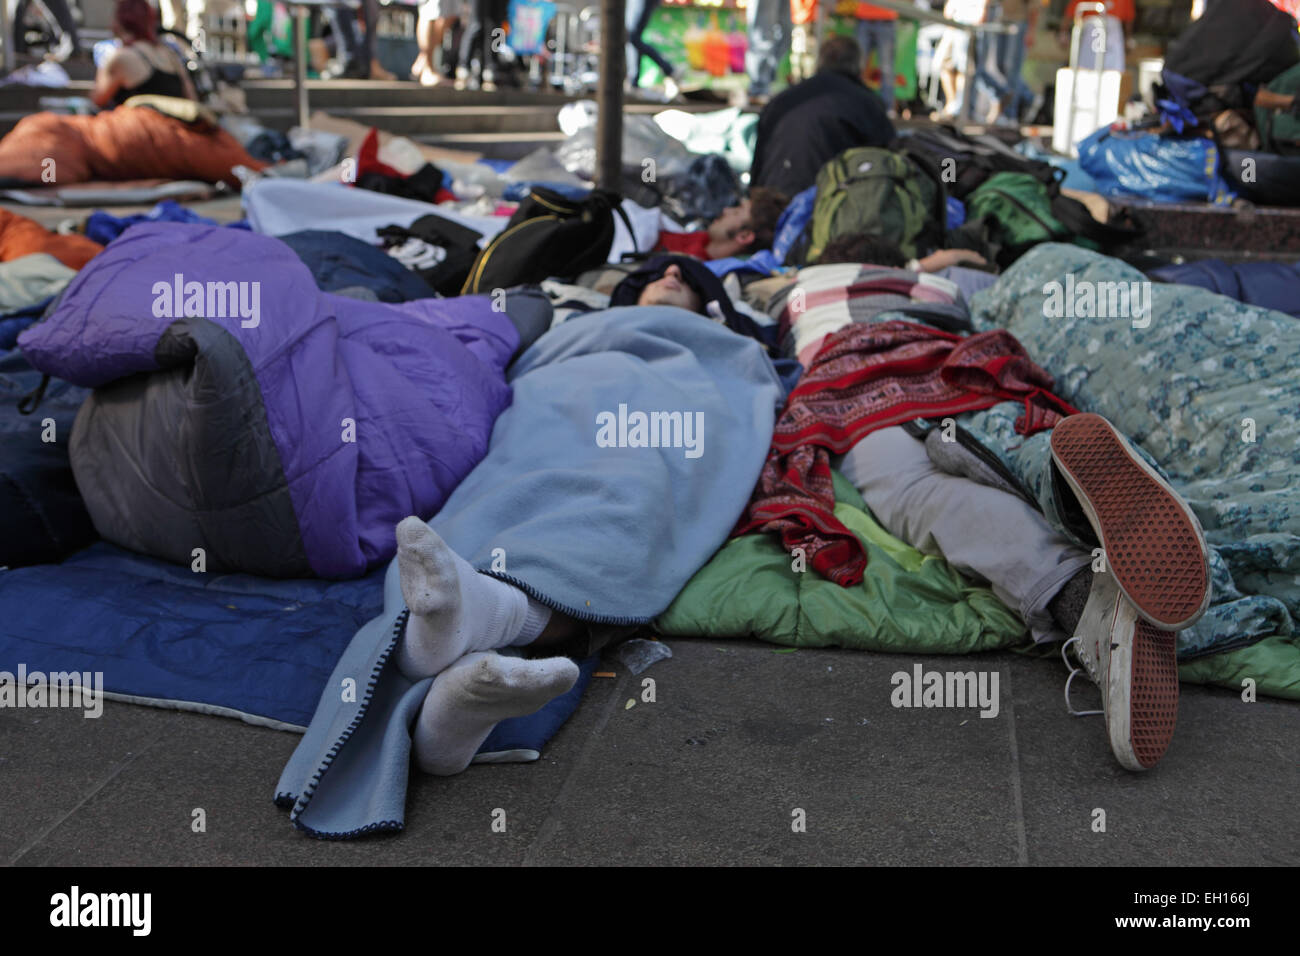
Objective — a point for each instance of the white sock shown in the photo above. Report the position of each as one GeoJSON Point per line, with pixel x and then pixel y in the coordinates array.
{"type": "Point", "coordinates": [454, 609]}
{"type": "Point", "coordinates": [471, 696]}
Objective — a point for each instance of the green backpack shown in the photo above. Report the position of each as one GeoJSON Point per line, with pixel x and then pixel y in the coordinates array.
{"type": "Point", "coordinates": [1279, 132]}
{"type": "Point", "coordinates": [1017, 209]}
{"type": "Point", "coordinates": [881, 193]}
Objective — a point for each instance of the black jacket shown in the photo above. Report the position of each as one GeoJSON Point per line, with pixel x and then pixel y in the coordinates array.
{"type": "Point", "coordinates": [812, 122]}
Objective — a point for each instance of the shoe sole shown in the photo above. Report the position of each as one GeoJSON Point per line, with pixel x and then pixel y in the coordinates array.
{"type": "Point", "coordinates": [1142, 690]}
{"type": "Point", "coordinates": [1153, 543]}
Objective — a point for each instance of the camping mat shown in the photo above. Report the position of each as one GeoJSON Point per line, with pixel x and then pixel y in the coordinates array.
{"type": "Point", "coordinates": [111, 193]}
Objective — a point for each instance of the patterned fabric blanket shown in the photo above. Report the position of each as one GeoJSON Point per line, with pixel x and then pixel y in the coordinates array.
{"type": "Point", "coordinates": [824, 299]}
{"type": "Point", "coordinates": [1208, 387]}
{"type": "Point", "coordinates": [868, 377]}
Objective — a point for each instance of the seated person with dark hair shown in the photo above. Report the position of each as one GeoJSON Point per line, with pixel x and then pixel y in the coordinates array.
{"type": "Point", "coordinates": [805, 126]}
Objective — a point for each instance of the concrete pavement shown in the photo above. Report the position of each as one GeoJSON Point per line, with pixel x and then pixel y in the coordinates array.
{"type": "Point", "coordinates": [740, 737]}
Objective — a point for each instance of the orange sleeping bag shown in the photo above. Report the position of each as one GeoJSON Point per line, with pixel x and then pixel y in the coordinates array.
{"type": "Point", "coordinates": [20, 236]}
{"type": "Point", "coordinates": [120, 144]}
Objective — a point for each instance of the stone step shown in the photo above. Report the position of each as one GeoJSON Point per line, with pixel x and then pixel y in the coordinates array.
{"type": "Point", "coordinates": [403, 108]}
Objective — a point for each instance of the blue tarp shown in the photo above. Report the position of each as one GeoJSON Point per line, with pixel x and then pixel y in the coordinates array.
{"type": "Point", "coordinates": [1270, 285]}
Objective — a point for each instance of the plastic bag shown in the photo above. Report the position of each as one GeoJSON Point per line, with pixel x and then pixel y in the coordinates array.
{"type": "Point", "coordinates": [642, 140]}
{"type": "Point", "coordinates": [728, 133]}
{"type": "Point", "coordinates": [1162, 168]}
{"type": "Point", "coordinates": [575, 116]}
{"type": "Point", "coordinates": [638, 654]}
{"type": "Point", "coordinates": [321, 149]}
{"type": "Point", "coordinates": [541, 166]}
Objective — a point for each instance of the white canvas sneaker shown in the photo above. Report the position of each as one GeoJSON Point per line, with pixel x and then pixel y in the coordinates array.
{"type": "Point", "coordinates": [1134, 664]}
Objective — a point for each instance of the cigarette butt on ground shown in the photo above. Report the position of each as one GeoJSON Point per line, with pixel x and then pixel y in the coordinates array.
{"type": "Point", "coordinates": [604, 674]}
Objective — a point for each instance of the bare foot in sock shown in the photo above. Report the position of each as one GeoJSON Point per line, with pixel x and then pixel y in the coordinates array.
{"type": "Point", "coordinates": [454, 609]}
{"type": "Point", "coordinates": [473, 695]}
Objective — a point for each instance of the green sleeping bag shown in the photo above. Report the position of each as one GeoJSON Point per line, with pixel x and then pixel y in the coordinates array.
{"type": "Point", "coordinates": [907, 602]}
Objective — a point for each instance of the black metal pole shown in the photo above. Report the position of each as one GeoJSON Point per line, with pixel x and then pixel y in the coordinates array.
{"type": "Point", "coordinates": [609, 95]}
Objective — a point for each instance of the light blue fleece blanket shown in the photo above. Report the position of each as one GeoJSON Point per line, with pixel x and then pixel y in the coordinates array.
{"type": "Point", "coordinates": [573, 509]}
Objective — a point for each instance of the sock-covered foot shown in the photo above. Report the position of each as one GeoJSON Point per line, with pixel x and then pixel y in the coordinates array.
{"type": "Point", "coordinates": [454, 609]}
{"type": "Point", "coordinates": [1067, 607]}
{"type": "Point", "coordinates": [473, 695]}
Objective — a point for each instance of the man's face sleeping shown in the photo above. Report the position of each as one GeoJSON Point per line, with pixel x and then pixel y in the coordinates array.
{"type": "Point", "coordinates": [672, 289]}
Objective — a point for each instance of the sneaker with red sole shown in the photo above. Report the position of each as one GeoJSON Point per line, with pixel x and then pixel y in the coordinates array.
{"type": "Point", "coordinates": [1156, 582]}
{"type": "Point", "coordinates": [1152, 542]}
{"type": "Point", "coordinates": [1134, 665]}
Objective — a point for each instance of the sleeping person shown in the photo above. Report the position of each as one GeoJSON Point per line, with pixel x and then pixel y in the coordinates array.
{"type": "Point", "coordinates": [1179, 374]}
{"type": "Point", "coordinates": [631, 443]}
{"type": "Point", "coordinates": [558, 543]}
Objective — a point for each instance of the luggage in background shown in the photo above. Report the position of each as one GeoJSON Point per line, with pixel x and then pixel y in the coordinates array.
{"type": "Point", "coordinates": [1155, 167]}
{"type": "Point", "coordinates": [439, 251]}
{"type": "Point", "coordinates": [1017, 212]}
{"type": "Point", "coordinates": [1086, 100]}
{"type": "Point", "coordinates": [1264, 178]}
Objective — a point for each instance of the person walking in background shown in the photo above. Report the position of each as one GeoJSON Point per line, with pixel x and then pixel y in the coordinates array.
{"type": "Point", "coordinates": [953, 50]}
{"type": "Point", "coordinates": [355, 50]}
{"type": "Point", "coordinates": [1002, 58]}
{"type": "Point", "coordinates": [436, 18]}
{"type": "Point", "coordinates": [768, 25]}
{"type": "Point", "coordinates": [878, 31]}
{"type": "Point", "coordinates": [1021, 16]}
{"type": "Point", "coordinates": [1103, 37]}
{"type": "Point", "coordinates": [482, 18]}
{"type": "Point", "coordinates": [638, 14]}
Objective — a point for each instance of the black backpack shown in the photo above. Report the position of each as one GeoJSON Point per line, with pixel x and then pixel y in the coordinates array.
{"type": "Point", "coordinates": [967, 162]}
{"type": "Point", "coordinates": [549, 236]}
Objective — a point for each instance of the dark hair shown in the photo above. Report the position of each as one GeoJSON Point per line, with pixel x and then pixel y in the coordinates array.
{"type": "Point", "coordinates": [840, 54]}
{"type": "Point", "coordinates": [765, 208]}
{"type": "Point", "coordinates": [137, 18]}
{"type": "Point", "coordinates": [864, 249]}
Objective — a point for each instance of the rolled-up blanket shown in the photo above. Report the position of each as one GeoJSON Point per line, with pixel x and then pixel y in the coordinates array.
{"type": "Point", "coordinates": [240, 410]}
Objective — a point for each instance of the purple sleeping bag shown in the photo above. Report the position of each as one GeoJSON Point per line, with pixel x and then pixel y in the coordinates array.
{"type": "Point", "coordinates": [240, 410]}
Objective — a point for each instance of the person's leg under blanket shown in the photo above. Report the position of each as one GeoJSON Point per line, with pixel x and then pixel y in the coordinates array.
{"type": "Point", "coordinates": [457, 614]}
{"type": "Point", "coordinates": [982, 531]}
{"type": "Point", "coordinates": [632, 445]}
